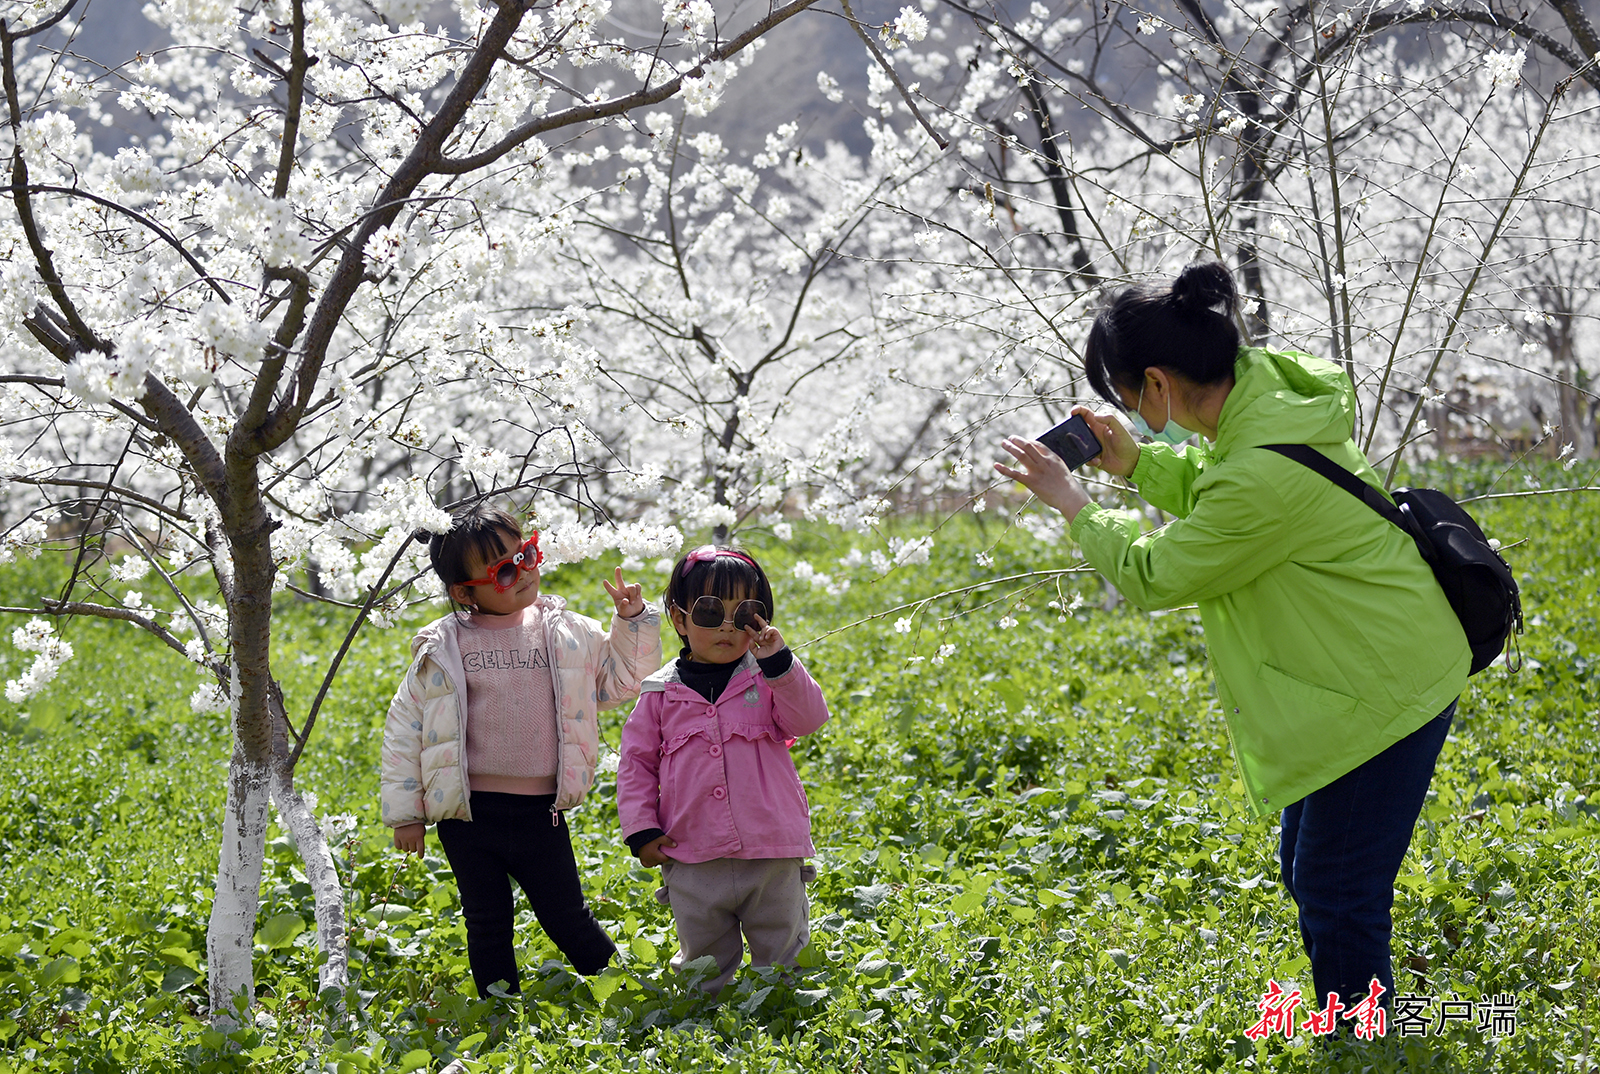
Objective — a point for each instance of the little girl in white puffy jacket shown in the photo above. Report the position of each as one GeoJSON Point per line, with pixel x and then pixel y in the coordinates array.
{"type": "Point", "coordinates": [494, 731]}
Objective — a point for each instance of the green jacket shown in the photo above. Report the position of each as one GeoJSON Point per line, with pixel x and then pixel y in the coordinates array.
{"type": "Point", "coordinates": [1328, 634]}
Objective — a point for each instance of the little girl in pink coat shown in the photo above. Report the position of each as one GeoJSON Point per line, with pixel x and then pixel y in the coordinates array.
{"type": "Point", "coordinates": [706, 788]}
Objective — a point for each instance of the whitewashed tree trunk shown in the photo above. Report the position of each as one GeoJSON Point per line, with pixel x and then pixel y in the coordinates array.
{"type": "Point", "coordinates": [322, 875]}
{"type": "Point", "coordinates": [311, 843]}
{"type": "Point", "coordinates": [231, 933]}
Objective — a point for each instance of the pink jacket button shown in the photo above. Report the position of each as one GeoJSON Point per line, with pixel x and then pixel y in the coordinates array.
{"type": "Point", "coordinates": [720, 793]}
{"type": "Point", "coordinates": [716, 751]}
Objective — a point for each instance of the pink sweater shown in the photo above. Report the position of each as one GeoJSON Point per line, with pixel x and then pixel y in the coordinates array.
{"type": "Point", "coordinates": [718, 778]}
{"type": "Point", "coordinates": [511, 705]}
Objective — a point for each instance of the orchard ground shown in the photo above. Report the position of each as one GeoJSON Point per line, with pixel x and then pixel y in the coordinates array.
{"type": "Point", "coordinates": [1031, 851]}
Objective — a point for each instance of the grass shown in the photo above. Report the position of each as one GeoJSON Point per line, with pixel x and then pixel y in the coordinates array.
{"type": "Point", "coordinates": [1032, 852]}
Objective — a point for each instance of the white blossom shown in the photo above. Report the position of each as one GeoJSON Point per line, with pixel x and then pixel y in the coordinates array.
{"type": "Point", "coordinates": [1504, 67]}
{"type": "Point", "coordinates": [209, 697]}
{"type": "Point", "coordinates": [38, 637]}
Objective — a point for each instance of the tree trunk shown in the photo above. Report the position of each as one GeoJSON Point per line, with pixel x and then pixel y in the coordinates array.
{"type": "Point", "coordinates": [327, 893]}
{"type": "Point", "coordinates": [230, 936]}
{"type": "Point", "coordinates": [312, 845]}
{"type": "Point", "coordinates": [248, 589]}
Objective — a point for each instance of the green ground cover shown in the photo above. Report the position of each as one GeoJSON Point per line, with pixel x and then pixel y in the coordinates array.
{"type": "Point", "coordinates": [1031, 854]}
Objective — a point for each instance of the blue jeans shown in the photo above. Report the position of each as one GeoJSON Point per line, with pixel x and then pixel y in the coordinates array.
{"type": "Point", "coordinates": [1341, 852]}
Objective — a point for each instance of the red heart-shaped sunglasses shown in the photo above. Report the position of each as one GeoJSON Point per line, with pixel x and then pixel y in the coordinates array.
{"type": "Point", "coordinates": [504, 573]}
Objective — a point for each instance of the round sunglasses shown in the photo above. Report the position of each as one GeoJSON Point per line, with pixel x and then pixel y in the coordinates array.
{"type": "Point", "coordinates": [503, 574]}
{"type": "Point", "coordinates": [708, 611]}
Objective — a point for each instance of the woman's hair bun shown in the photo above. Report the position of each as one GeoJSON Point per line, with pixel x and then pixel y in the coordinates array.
{"type": "Point", "coordinates": [1205, 285]}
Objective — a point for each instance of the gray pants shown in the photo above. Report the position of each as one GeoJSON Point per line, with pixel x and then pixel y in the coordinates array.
{"type": "Point", "coordinates": [712, 901]}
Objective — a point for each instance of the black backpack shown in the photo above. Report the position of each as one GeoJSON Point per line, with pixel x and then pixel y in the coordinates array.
{"type": "Point", "coordinates": [1475, 579]}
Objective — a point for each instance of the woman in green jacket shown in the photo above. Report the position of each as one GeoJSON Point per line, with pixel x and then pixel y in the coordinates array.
{"type": "Point", "coordinates": [1338, 660]}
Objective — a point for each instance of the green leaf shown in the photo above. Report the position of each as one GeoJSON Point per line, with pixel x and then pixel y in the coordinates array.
{"type": "Point", "coordinates": [413, 1060]}
{"type": "Point", "coordinates": [59, 971]}
{"type": "Point", "coordinates": [279, 930]}
{"type": "Point", "coordinates": [643, 949]}
{"type": "Point", "coordinates": [183, 956]}
{"type": "Point", "coordinates": [972, 898]}
{"type": "Point", "coordinates": [1293, 966]}
{"type": "Point", "coordinates": [178, 978]}
{"type": "Point", "coordinates": [871, 968]}
{"type": "Point", "coordinates": [605, 984]}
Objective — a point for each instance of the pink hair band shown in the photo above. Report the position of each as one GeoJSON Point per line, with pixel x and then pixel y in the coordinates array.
{"type": "Point", "coordinates": [707, 553]}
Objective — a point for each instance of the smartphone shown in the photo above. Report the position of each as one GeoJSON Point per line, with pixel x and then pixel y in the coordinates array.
{"type": "Point", "coordinates": [1073, 440]}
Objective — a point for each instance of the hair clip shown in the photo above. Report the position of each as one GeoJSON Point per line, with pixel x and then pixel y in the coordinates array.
{"type": "Point", "coordinates": [707, 553]}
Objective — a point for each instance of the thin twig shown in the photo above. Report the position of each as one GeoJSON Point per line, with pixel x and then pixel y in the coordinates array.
{"type": "Point", "coordinates": [1041, 575]}
{"type": "Point", "coordinates": [333, 666]}
{"type": "Point", "coordinates": [1529, 492]}
{"type": "Point", "coordinates": [888, 69]}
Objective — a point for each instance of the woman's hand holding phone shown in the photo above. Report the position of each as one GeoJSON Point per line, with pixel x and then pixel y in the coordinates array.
{"type": "Point", "coordinates": [1045, 474]}
{"type": "Point", "coordinates": [1119, 451]}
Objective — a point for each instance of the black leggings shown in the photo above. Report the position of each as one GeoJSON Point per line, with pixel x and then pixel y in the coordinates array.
{"type": "Point", "coordinates": [511, 837]}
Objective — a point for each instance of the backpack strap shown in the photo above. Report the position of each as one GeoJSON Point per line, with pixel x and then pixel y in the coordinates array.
{"type": "Point", "coordinates": [1312, 459]}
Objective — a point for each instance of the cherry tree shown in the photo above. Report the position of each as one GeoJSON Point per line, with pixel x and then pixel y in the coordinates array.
{"type": "Point", "coordinates": [259, 348]}
{"type": "Point", "coordinates": [1398, 187]}
{"type": "Point", "coordinates": [734, 304]}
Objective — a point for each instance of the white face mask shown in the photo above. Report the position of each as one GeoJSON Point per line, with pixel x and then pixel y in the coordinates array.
{"type": "Point", "coordinates": [1171, 432]}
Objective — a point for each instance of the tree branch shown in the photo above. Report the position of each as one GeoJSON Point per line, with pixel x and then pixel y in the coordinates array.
{"type": "Point", "coordinates": [105, 611]}
{"type": "Point", "coordinates": [888, 69]}
{"type": "Point", "coordinates": [299, 63]}
{"type": "Point", "coordinates": [617, 105]}
{"type": "Point", "coordinates": [107, 489]}
{"type": "Point", "coordinates": [86, 336]}
{"type": "Point", "coordinates": [333, 666]}
{"type": "Point", "coordinates": [166, 236]}
{"type": "Point", "coordinates": [254, 440]}
{"type": "Point", "coordinates": [40, 28]}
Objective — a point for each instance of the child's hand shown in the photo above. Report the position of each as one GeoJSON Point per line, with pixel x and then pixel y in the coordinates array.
{"type": "Point", "coordinates": [627, 596]}
{"type": "Point", "coordinates": [764, 637]}
{"type": "Point", "coordinates": [650, 854]}
{"type": "Point", "coordinates": [409, 838]}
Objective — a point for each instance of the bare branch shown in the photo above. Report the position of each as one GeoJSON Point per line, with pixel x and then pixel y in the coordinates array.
{"type": "Point", "coordinates": [108, 489]}
{"type": "Point", "coordinates": [883, 61]}
{"type": "Point", "coordinates": [338, 658]}
{"type": "Point", "coordinates": [1472, 283]}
